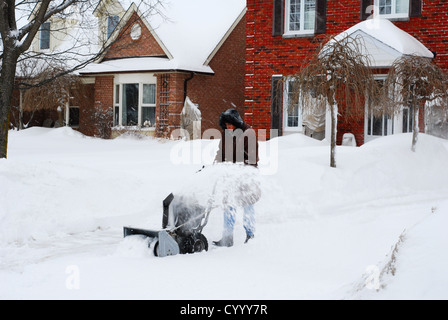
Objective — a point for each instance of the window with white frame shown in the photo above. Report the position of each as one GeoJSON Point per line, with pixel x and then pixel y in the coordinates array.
{"type": "Point", "coordinates": [408, 119]}
{"type": "Point", "coordinates": [300, 17]}
{"type": "Point", "coordinates": [117, 105]}
{"type": "Point", "coordinates": [135, 104]}
{"type": "Point", "coordinates": [378, 125]}
{"type": "Point", "coordinates": [149, 106]}
{"type": "Point", "coordinates": [393, 8]}
{"type": "Point", "coordinates": [292, 111]}
{"type": "Point", "coordinates": [130, 104]}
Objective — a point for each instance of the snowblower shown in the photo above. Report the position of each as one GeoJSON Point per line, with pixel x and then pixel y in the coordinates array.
{"type": "Point", "coordinates": [182, 224]}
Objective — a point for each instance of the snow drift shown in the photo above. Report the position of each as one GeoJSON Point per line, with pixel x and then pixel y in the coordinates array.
{"type": "Point", "coordinates": [373, 228]}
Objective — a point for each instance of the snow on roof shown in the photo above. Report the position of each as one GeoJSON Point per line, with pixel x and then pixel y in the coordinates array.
{"type": "Point", "coordinates": [141, 64]}
{"type": "Point", "coordinates": [384, 42]}
{"type": "Point", "coordinates": [190, 30]}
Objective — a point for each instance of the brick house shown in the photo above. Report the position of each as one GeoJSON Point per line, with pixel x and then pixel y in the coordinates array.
{"type": "Point", "coordinates": [154, 61]}
{"type": "Point", "coordinates": [281, 33]}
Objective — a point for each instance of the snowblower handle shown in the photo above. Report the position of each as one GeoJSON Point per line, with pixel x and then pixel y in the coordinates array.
{"type": "Point", "coordinates": [166, 210]}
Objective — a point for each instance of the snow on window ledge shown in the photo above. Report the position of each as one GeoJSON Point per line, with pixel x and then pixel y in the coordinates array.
{"type": "Point", "coordinates": [303, 34]}
{"type": "Point", "coordinates": [396, 17]}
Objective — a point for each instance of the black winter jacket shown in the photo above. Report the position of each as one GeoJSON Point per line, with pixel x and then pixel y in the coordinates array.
{"type": "Point", "coordinates": [239, 145]}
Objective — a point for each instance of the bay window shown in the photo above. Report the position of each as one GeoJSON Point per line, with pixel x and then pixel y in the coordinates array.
{"type": "Point", "coordinates": [135, 101]}
{"type": "Point", "coordinates": [149, 106]}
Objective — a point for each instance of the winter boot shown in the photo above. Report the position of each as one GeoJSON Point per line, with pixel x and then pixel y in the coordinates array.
{"type": "Point", "coordinates": [226, 241]}
{"type": "Point", "coordinates": [248, 237]}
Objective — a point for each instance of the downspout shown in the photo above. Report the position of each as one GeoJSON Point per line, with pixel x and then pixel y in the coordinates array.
{"type": "Point", "coordinates": [186, 84]}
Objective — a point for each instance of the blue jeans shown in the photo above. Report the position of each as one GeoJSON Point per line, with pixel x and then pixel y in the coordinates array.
{"type": "Point", "coordinates": [248, 220]}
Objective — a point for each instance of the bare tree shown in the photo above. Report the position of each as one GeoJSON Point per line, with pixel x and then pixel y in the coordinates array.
{"type": "Point", "coordinates": [411, 82]}
{"type": "Point", "coordinates": [338, 75]}
{"type": "Point", "coordinates": [41, 95]}
{"type": "Point", "coordinates": [20, 22]}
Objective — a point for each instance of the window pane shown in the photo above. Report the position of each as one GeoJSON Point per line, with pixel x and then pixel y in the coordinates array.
{"type": "Point", "coordinates": [130, 104]}
{"type": "Point", "coordinates": [45, 36]}
{"type": "Point", "coordinates": [149, 117]}
{"type": "Point", "coordinates": [294, 15]}
{"type": "Point", "coordinates": [310, 14]}
{"type": "Point", "coordinates": [408, 120]}
{"type": "Point", "coordinates": [117, 93]}
{"type": "Point", "coordinates": [149, 94]}
{"type": "Point", "coordinates": [112, 22]}
{"type": "Point", "coordinates": [73, 117]}
{"type": "Point", "coordinates": [385, 6]}
{"type": "Point", "coordinates": [116, 116]}
{"type": "Point", "coordinates": [293, 116]}
{"type": "Point", "coordinates": [292, 106]}
{"type": "Point", "coordinates": [377, 126]}
{"type": "Point", "coordinates": [385, 123]}
{"type": "Point", "coordinates": [402, 6]}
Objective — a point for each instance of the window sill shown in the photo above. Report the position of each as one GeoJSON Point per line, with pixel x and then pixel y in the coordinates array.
{"type": "Point", "coordinates": [395, 17]}
{"type": "Point", "coordinates": [293, 130]}
{"type": "Point", "coordinates": [298, 35]}
{"type": "Point", "coordinates": [133, 128]}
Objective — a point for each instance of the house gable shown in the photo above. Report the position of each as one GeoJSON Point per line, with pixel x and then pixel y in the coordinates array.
{"type": "Point", "coordinates": [134, 40]}
{"type": "Point", "coordinates": [134, 37]}
{"type": "Point", "coordinates": [228, 33]}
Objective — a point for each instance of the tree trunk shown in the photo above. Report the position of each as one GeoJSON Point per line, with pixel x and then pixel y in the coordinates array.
{"type": "Point", "coordinates": [8, 72]}
{"type": "Point", "coordinates": [334, 124]}
{"type": "Point", "coordinates": [416, 128]}
{"type": "Point", "coordinates": [20, 127]}
{"type": "Point", "coordinates": [4, 128]}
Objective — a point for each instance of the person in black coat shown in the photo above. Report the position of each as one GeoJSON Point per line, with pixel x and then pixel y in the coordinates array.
{"type": "Point", "coordinates": [238, 145]}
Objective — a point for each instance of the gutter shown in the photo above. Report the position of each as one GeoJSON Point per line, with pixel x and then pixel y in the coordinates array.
{"type": "Point", "coordinates": [186, 84]}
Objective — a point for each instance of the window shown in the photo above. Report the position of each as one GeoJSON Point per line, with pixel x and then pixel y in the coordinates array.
{"type": "Point", "coordinates": [117, 105]}
{"type": "Point", "coordinates": [149, 105]}
{"type": "Point", "coordinates": [73, 117]}
{"type": "Point", "coordinates": [408, 117]}
{"type": "Point", "coordinates": [45, 36]}
{"type": "Point", "coordinates": [135, 104]}
{"type": "Point", "coordinates": [300, 16]}
{"type": "Point", "coordinates": [379, 125]}
{"type": "Point", "coordinates": [292, 118]}
{"type": "Point", "coordinates": [130, 104]}
{"type": "Point", "coordinates": [393, 8]}
{"type": "Point", "coordinates": [112, 22]}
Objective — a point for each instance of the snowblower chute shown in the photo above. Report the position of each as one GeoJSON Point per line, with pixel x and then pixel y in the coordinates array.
{"type": "Point", "coordinates": [182, 223]}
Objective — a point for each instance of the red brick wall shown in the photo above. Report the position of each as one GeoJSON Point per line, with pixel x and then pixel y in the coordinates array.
{"type": "Point", "coordinates": [125, 46]}
{"type": "Point", "coordinates": [176, 99]}
{"type": "Point", "coordinates": [267, 55]}
{"type": "Point", "coordinates": [100, 111]}
{"type": "Point", "coordinates": [225, 89]}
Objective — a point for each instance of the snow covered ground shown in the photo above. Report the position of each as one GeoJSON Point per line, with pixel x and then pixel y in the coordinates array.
{"type": "Point", "coordinates": [374, 228]}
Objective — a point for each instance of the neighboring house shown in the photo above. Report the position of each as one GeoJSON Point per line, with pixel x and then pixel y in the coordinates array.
{"type": "Point", "coordinates": [282, 33]}
{"type": "Point", "coordinates": [155, 60]}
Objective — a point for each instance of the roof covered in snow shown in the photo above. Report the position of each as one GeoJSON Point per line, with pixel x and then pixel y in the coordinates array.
{"type": "Point", "coordinates": [190, 32]}
{"type": "Point", "coordinates": [384, 42]}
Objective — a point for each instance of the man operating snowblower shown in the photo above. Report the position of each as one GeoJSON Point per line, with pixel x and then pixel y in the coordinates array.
{"type": "Point", "coordinates": [238, 145]}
